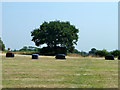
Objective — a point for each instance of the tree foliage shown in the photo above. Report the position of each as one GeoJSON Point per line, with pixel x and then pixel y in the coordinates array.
{"type": "Point", "coordinates": [56, 34]}
{"type": "Point", "coordinates": [115, 52]}
{"type": "Point", "coordinates": [2, 46]}
{"type": "Point", "coordinates": [101, 53]}
{"type": "Point", "coordinates": [29, 48]}
{"type": "Point", "coordinates": [76, 51]}
{"type": "Point", "coordinates": [92, 52]}
{"type": "Point", "coordinates": [105, 52]}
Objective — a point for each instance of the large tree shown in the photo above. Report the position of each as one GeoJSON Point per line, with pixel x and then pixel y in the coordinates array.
{"type": "Point", "coordinates": [56, 33]}
{"type": "Point", "coordinates": [2, 46]}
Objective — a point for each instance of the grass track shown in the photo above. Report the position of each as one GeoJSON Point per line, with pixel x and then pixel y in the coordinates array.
{"type": "Point", "coordinates": [47, 72]}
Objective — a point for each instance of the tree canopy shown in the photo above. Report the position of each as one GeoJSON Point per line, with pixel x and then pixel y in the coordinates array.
{"type": "Point", "coordinates": [93, 50]}
{"type": "Point", "coordinates": [2, 46]}
{"type": "Point", "coordinates": [56, 33]}
{"type": "Point", "coordinates": [115, 52]}
{"type": "Point", "coordinates": [101, 53]}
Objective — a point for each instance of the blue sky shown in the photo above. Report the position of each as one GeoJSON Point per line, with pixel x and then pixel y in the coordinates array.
{"type": "Point", "coordinates": [97, 22]}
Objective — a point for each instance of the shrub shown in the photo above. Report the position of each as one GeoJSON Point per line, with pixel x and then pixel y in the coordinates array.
{"type": "Point", "coordinates": [115, 53]}
{"type": "Point", "coordinates": [101, 53]}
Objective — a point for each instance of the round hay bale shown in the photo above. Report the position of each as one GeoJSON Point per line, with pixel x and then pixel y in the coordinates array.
{"type": "Point", "coordinates": [60, 56]}
{"type": "Point", "coordinates": [9, 54]}
{"type": "Point", "coordinates": [34, 56]}
{"type": "Point", "coordinates": [118, 57]}
{"type": "Point", "coordinates": [109, 57]}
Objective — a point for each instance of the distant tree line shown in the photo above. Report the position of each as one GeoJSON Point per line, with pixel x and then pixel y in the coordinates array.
{"type": "Point", "coordinates": [99, 53]}
{"type": "Point", "coordinates": [93, 52]}
{"type": "Point", "coordinates": [30, 48]}
{"type": "Point", "coordinates": [103, 52]}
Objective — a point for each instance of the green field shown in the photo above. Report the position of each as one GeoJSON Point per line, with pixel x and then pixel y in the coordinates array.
{"type": "Point", "coordinates": [47, 72]}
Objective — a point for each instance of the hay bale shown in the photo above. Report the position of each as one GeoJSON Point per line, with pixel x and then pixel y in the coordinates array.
{"type": "Point", "coordinates": [34, 56]}
{"type": "Point", "coordinates": [109, 57]}
{"type": "Point", "coordinates": [9, 54]}
{"type": "Point", "coordinates": [118, 57]}
{"type": "Point", "coordinates": [60, 56]}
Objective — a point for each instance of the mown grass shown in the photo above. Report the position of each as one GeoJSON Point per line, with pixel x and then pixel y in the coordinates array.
{"type": "Point", "coordinates": [47, 72]}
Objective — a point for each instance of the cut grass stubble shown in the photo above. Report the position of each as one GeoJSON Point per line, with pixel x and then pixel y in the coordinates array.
{"type": "Point", "coordinates": [47, 72]}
